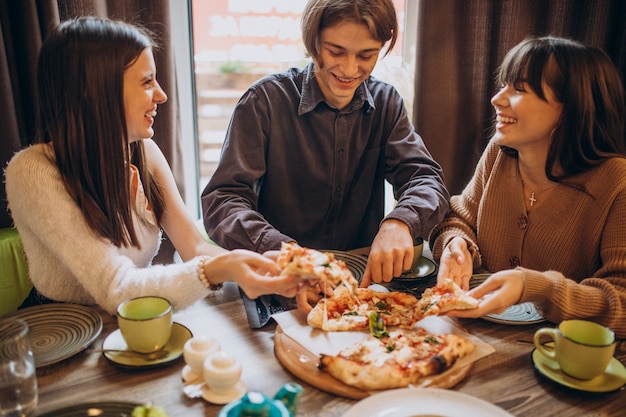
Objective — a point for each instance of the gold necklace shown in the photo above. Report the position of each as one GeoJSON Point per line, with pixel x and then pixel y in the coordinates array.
{"type": "Point", "coordinates": [532, 198]}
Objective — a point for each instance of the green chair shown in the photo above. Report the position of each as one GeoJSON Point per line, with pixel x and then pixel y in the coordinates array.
{"type": "Point", "coordinates": [15, 283]}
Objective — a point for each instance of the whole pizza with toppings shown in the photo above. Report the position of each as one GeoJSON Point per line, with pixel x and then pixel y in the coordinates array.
{"type": "Point", "coordinates": [350, 309]}
{"type": "Point", "coordinates": [314, 265]}
{"type": "Point", "coordinates": [395, 359]}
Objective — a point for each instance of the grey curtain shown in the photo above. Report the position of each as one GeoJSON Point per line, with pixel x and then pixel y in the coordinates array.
{"type": "Point", "coordinates": [460, 45]}
{"type": "Point", "coordinates": [23, 26]}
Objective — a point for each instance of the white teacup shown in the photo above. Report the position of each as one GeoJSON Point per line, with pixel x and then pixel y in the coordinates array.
{"type": "Point", "coordinates": [583, 349]}
{"type": "Point", "coordinates": [145, 323]}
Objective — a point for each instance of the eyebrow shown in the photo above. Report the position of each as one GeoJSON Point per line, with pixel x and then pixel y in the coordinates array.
{"type": "Point", "coordinates": [344, 48]}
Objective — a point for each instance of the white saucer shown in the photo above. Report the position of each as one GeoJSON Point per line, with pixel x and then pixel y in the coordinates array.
{"type": "Point", "coordinates": [237, 392]}
{"type": "Point", "coordinates": [613, 378]}
{"type": "Point", "coordinates": [189, 375]}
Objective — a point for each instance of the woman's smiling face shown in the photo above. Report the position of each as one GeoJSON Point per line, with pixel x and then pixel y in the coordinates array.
{"type": "Point", "coordinates": [142, 93]}
{"type": "Point", "coordinates": [348, 55]}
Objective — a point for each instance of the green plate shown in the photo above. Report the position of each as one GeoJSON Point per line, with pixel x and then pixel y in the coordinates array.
{"type": "Point", "coordinates": [180, 334]}
{"type": "Point", "coordinates": [613, 378]}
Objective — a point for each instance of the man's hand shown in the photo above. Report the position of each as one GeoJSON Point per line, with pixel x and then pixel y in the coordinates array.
{"type": "Point", "coordinates": [390, 254]}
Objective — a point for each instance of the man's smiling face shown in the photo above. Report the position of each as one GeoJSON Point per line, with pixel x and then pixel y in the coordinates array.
{"type": "Point", "coordinates": [348, 55]}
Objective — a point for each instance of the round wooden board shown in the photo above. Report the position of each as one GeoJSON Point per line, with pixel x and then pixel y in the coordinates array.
{"type": "Point", "coordinates": [303, 364]}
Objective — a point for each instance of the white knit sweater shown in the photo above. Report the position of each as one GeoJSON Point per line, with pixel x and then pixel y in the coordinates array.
{"type": "Point", "coordinates": [68, 262]}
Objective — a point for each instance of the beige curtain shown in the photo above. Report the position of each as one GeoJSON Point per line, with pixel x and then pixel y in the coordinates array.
{"type": "Point", "coordinates": [23, 25]}
{"type": "Point", "coordinates": [461, 43]}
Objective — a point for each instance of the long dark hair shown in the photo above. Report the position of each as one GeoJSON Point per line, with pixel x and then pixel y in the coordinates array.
{"type": "Point", "coordinates": [80, 78]}
{"type": "Point", "coordinates": [586, 82]}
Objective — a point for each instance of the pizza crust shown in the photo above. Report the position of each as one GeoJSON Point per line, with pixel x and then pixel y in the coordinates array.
{"type": "Point", "coordinates": [396, 361]}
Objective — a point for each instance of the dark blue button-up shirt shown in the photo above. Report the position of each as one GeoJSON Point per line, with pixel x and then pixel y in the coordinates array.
{"type": "Point", "coordinates": [294, 168]}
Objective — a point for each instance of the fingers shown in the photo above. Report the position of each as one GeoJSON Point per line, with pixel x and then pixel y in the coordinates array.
{"type": "Point", "coordinates": [302, 302]}
{"type": "Point", "coordinates": [366, 281]}
{"type": "Point", "coordinates": [383, 267]}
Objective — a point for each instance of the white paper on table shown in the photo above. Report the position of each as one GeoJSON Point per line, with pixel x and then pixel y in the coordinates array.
{"type": "Point", "coordinates": [293, 323]}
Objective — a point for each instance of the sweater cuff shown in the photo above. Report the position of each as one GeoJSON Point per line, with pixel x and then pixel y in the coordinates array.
{"type": "Point", "coordinates": [536, 286]}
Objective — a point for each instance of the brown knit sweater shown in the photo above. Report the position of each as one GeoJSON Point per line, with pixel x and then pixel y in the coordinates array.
{"type": "Point", "coordinates": [571, 248]}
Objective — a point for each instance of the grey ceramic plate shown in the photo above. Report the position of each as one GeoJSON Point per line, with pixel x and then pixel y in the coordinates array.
{"type": "Point", "coordinates": [355, 263]}
{"type": "Point", "coordinates": [424, 269]}
{"type": "Point", "coordinates": [58, 331]}
{"type": "Point", "coordinates": [524, 313]}
{"type": "Point", "coordinates": [100, 409]}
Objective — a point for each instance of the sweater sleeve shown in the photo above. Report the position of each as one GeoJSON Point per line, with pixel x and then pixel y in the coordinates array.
{"type": "Point", "coordinates": [68, 262]}
{"type": "Point", "coordinates": [461, 220]}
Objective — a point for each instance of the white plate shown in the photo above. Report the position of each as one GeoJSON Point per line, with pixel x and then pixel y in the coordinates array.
{"type": "Point", "coordinates": [431, 402]}
{"type": "Point", "coordinates": [517, 314]}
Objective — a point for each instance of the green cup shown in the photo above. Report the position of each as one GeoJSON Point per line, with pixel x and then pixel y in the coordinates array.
{"type": "Point", "coordinates": [145, 323]}
{"type": "Point", "coordinates": [583, 349]}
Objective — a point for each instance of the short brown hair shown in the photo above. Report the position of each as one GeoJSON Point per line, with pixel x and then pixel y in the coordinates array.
{"type": "Point", "coordinates": [378, 15]}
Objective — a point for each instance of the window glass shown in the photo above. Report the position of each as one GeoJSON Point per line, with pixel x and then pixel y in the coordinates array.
{"type": "Point", "coordinates": [237, 42]}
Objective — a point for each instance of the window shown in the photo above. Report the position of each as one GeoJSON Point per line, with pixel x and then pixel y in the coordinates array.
{"type": "Point", "coordinates": [236, 42]}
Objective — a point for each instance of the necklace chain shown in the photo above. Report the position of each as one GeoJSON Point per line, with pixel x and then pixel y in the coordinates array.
{"type": "Point", "coordinates": [532, 198]}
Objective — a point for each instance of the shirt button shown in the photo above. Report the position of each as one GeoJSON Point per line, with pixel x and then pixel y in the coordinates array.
{"type": "Point", "coordinates": [340, 151]}
{"type": "Point", "coordinates": [514, 261]}
{"type": "Point", "coordinates": [522, 222]}
{"type": "Point", "coordinates": [338, 189]}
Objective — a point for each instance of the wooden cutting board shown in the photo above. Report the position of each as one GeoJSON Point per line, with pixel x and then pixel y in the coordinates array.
{"type": "Point", "coordinates": [303, 364]}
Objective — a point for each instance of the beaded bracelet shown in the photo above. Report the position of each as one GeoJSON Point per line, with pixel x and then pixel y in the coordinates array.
{"type": "Point", "coordinates": [203, 278]}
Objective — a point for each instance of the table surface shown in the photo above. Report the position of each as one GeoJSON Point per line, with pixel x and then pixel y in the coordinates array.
{"type": "Point", "coordinates": [506, 377]}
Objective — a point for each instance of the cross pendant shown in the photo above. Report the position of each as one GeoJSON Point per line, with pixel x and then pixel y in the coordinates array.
{"type": "Point", "coordinates": [532, 199]}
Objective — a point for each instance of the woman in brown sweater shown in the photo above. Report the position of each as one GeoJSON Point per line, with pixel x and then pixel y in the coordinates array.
{"type": "Point", "coordinates": [545, 211]}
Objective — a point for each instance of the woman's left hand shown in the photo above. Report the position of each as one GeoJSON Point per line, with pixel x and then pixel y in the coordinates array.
{"type": "Point", "coordinates": [500, 291]}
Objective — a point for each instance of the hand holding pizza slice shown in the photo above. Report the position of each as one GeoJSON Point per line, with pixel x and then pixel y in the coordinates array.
{"type": "Point", "coordinates": [443, 297]}
{"type": "Point", "coordinates": [313, 265]}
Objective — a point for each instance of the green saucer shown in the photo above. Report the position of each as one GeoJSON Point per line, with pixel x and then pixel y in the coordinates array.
{"type": "Point", "coordinates": [180, 334]}
{"type": "Point", "coordinates": [613, 378]}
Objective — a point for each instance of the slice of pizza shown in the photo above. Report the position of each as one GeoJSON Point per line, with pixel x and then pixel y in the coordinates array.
{"type": "Point", "coordinates": [396, 360]}
{"type": "Point", "coordinates": [349, 309]}
{"type": "Point", "coordinates": [311, 264]}
{"type": "Point", "coordinates": [443, 297]}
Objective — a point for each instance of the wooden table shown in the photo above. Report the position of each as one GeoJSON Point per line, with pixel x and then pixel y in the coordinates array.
{"type": "Point", "coordinates": [506, 378]}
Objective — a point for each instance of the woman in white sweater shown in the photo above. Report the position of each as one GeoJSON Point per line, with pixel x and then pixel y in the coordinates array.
{"type": "Point", "coordinates": [91, 198]}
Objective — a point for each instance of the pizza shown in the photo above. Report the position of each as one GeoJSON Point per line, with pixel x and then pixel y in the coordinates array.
{"type": "Point", "coordinates": [395, 359]}
{"type": "Point", "coordinates": [314, 265]}
{"type": "Point", "coordinates": [443, 297]}
{"type": "Point", "coordinates": [349, 309]}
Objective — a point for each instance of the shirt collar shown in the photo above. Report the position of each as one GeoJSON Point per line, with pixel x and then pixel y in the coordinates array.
{"type": "Point", "coordinates": [312, 95]}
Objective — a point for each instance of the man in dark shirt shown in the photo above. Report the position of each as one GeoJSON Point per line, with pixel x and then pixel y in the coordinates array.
{"type": "Point", "coordinates": [308, 151]}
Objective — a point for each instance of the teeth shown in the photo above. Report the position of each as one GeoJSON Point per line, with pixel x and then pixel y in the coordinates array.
{"type": "Point", "coordinates": [151, 114]}
{"type": "Point", "coordinates": [503, 119]}
{"type": "Point", "coordinates": [345, 80]}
